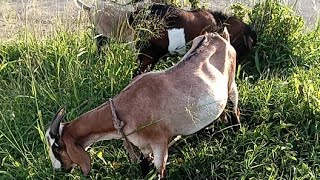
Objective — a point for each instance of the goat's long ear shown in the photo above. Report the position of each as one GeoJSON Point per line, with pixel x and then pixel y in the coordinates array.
{"type": "Point", "coordinates": [79, 156]}
{"type": "Point", "coordinates": [225, 34]}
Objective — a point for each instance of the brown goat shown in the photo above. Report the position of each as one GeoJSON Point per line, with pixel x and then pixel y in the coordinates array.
{"type": "Point", "coordinates": [182, 26]}
{"type": "Point", "coordinates": [155, 107]}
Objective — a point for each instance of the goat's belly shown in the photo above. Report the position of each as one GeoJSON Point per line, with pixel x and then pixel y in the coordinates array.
{"type": "Point", "coordinates": [203, 113]}
{"type": "Point", "coordinates": [196, 112]}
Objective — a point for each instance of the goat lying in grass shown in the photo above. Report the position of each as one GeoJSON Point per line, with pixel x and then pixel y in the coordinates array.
{"type": "Point", "coordinates": [155, 107]}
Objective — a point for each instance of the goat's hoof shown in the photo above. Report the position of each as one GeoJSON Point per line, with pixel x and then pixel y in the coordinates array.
{"type": "Point", "coordinates": [158, 177]}
{"type": "Point", "coordinates": [237, 119]}
{"type": "Point", "coordinates": [234, 121]}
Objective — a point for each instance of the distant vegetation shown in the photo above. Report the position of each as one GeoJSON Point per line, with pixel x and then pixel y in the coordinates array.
{"type": "Point", "coordinates": [279, 86]}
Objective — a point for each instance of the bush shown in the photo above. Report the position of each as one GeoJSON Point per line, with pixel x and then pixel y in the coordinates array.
{"type": "Point", "coordinates": [283, 41]}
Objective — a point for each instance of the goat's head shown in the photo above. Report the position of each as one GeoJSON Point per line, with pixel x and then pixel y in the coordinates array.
{"type": "Point", "coordinates": [64, 152]}
{"type": "Point", "coordinates": [243, 36]}
{"type": "Point", "coordinates": [212, 37]}
{"type": "Point", "coordinates": [211, 42]}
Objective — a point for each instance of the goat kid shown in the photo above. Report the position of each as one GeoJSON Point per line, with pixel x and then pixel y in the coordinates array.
{"type": "Point", "coordinates": [155, 107]}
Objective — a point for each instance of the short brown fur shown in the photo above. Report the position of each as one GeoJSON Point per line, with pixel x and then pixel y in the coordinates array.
{"type": "Point", "coordinates": [158, 106]}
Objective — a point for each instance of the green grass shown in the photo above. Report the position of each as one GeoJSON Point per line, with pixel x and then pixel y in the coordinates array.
{"type": "Point", "coordinates": [279, 100]}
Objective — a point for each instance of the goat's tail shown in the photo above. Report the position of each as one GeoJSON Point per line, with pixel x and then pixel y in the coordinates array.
{"type": "Point", "coordinates": [82, 5]}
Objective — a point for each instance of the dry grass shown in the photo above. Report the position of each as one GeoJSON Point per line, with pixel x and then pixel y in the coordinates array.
{"type": "Point", "coordinates": [35, 16]}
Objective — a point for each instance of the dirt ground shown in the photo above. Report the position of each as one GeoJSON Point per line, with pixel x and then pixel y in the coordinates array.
{"type": "Point", "coordinates": [309, 9]}
{"type": "Point", "coordinates": [42, 15]}
{"type": "Point", "coordinates": [39, 15]}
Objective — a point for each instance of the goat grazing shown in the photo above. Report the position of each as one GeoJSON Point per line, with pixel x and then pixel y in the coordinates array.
{"type": "Point", "coordinates": [110, 21]}
{"type": "Point", "coordinates": [180, 27]}
{"type": "Point", "coordinates": [155, 107]}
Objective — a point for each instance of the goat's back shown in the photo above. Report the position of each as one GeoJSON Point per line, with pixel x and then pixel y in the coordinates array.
{"type": "Point", "coordinates": [196, 21]}
{"type": "Point", "coordinates": [110, 20]}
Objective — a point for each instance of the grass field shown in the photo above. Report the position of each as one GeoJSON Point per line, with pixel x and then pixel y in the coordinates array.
{"type": "Point", "coordinates": [279, 85]}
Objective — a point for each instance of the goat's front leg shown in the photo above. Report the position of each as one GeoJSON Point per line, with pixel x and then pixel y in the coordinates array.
{"type": "Point", "coordinates": [101, 41]}
{"type": "Point", "coordinates": [160, 154]}
{"type": "Point", "coordinates": [145, 161]}
{"type": "Point", "coordinates": [148, 58]}
{"type": "Point", "coordinates": [235, 114]}
{"type": "Point", "coordinates": [144, 64]}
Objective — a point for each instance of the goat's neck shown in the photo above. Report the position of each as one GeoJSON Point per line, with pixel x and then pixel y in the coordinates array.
{"type": "Point", "coordinates": [93, 126]}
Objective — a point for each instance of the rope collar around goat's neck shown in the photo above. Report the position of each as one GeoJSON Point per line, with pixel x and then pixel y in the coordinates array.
{"type": "Point", "coordinates": [118, 124]}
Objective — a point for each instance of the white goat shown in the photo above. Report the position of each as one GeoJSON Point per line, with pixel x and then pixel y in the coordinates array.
{"type": "Point", "coordinates": [110, 20]}
{"type": "Point", "coordinates": [155, 107]}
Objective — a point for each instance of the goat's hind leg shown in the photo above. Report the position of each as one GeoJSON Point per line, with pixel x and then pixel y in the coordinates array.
{"type": "Point", "coordinates": [234, 119]}
{"type": "Point", "coordinates": [160, 154]}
